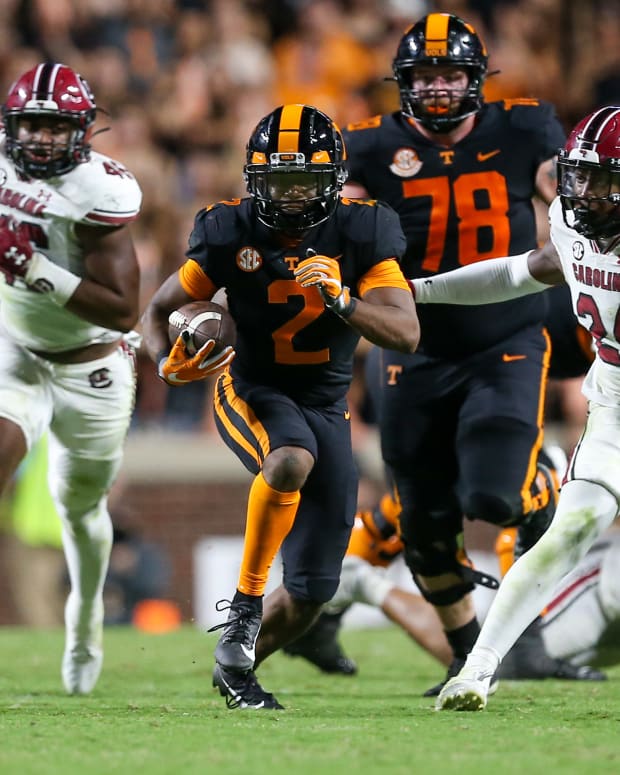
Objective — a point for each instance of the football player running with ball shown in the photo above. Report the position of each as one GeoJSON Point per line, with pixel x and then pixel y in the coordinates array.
{"type": "Point", "coordinates": [68, 302]}
{"type": "Point", "coordinates": [583, 251]}
{"type": "Point", "coordinates": [461, 419]}
{"type": "Point", "coordinates": [306, 274]}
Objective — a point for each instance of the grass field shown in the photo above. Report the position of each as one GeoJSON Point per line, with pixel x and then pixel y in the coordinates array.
{"type": "Point", "coordinates": [154, 711]}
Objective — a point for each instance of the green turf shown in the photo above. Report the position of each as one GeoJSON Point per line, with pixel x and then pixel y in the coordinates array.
{"type": "Point", "coordinates": [154, 711]}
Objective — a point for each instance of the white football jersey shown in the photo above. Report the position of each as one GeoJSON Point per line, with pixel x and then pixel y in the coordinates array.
{"type": "Point", "coordinates": [594, 281]}
{"type": "Point", "coordinates": [99, 192]}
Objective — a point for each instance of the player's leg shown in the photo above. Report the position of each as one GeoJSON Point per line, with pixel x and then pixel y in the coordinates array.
{"type": "Point", "coordinates": [375, 540]}
{"type": "Point", "coordinates": [313, 551]}
{"type": "Point", "coordinates": [506, 478]}
{"type": "Point", "coordinates": [585, 509]}
{"type": "Point", "coordinates": [588, 504]}
{"type": "Point", "coordinates": [271, 436]}
{"type": "Point", "coordinates": [92, 410]}
{"type": "Point", "coordinates": [530, 658]}
{"type": "Point", "coordinates": [320, 645]}
{"type": "Point", "coordinates": [578, 614]}
{"type": "Point", "coordinates": [419, 420]}
{"type": "Point", "coordinates": [25, 408]}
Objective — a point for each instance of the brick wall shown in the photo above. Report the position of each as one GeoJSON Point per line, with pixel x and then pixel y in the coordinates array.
{"type": "Point", "coordinates": [176, 490]}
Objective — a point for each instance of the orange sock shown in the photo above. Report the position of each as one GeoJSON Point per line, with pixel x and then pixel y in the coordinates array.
{"type": "Point", "coordinates": [505, 549]}
{"type": "Point", "coordinates": [270, 517]}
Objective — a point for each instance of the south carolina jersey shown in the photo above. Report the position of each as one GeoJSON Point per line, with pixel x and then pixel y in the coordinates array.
{"type": "Point", "coordinates": [99, 192]}
{"type": "Point", "coordinates": [459, 205]}
{"type": "Point", "coordinates": [285, 336]}
{"type": "Point", "coordinates": [594, 281]}
{"type": "Point", "coordinates": [572, 349]}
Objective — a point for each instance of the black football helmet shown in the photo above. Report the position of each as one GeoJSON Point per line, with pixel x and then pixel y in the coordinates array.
{"type": "Point", "coordinates": [295, 167]}
{"type": "Point", "coordinates": [589, 175]}
{"type": "Point", "coordinates": [49, 90]}
{"type": "Point", "coordinates": [440, 39]}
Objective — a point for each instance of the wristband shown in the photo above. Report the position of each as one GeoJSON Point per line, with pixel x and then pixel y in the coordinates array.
{"type": "Point", "coordinates": [342, 305]}
{"type": "Point", "coordinates": [160, 367]}
{"type": "Point", "coordinates": [44, 276]}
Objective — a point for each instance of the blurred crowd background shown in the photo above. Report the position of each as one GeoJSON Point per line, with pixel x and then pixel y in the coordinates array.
{"type": "Point", "coordinates": [183, 82]}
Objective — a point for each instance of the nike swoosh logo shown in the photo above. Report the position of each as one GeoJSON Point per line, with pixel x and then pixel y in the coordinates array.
{"type": "Point", "coordinates": [485, 156]}
{"type": "Point", "coordinates": [507, 358]}
{"type": "Point", "coordinates": [250, 653]}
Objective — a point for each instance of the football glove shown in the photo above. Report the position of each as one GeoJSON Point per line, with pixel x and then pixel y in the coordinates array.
{"type": "Point", "coordinates": [15, 249]}
{"type": "Point", "coordinates": [19, 259]}
{"type": "Point", "coordinates": [178, 367]}
{"type": "Point", "coordinates": [324, 273]}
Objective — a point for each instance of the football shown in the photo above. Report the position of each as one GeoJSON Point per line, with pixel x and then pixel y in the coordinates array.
{"type": "Point", "coordinates": [204, 320]}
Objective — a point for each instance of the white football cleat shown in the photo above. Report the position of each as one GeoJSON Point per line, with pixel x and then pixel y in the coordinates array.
{"type": "Point", "coordinates": [81, 667]}
{"type": "Point", "coordinates": [466, 691]}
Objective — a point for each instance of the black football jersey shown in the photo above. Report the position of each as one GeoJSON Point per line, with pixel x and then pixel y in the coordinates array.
{"type": "Point", "coordinates": [285, 336]}
{"type": "Point", "coordinates": [459, 205]}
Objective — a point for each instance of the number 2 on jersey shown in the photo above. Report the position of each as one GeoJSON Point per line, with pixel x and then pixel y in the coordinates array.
{"type": "Point", "coordinates": [587, 308]}
{"type": "Point", "coordinates": [467, 191]}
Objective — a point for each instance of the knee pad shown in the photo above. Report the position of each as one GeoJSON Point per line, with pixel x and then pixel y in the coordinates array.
{"type": "Point", "coordinates": [437, 561]}
{"type": "Point", "coordinates": [496, 509]}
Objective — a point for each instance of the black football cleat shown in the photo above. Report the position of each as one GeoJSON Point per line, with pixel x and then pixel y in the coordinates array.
{"type": "Point", "coordinates": [528, 660]}
{"type": "Point", "coordinates": [243, 691]}
{"type": "Point", "coordinates": [319, 645]}
{"type": "Point", "coordinates": [453, 670]}
{"type": "Point", "coordinates": [236, 648]}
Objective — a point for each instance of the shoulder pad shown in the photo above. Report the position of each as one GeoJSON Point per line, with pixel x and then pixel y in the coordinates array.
{"type": "Point", "coordinates": [528, 113]}
{"type": "Point", "coordinates": [104, 192]}
{"type": "Point", "coordinates": [367, 123]}
{"type": "Point", "coordinates": [222, 221]}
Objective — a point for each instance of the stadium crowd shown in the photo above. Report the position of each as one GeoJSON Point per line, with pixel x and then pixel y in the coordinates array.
{"type": "Point", "coordinates": [184, 81]}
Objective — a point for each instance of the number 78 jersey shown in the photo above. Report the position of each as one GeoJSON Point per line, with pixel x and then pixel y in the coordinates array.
{"type": "Point", "coordinates": [594, 281]}
{"type": "Point", "coordinates": [459, 205]}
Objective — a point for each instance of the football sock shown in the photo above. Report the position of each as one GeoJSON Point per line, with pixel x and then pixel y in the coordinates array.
{"type": "Point", "coordinates": [270, 517]}
{"type": "Point", "coordinates": [463, 638]}
{"type": "Point", "coordinates": [87, 544]}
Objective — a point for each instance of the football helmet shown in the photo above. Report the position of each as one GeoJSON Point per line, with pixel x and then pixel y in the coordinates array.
{"type": "Point", "coordinates": [295, 167]}
{"type": "Point", "coordinates": [440, 39]}
{"type": "Point", "coordinates": [589, 175]}
{"type": "Point", "coordinates": [55, 91]}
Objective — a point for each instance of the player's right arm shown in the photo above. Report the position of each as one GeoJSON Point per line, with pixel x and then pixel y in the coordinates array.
{"type": "Point", "coordinates": [494, 280]}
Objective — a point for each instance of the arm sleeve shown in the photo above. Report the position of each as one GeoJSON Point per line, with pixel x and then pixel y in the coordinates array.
{"type": "Point", "coordinates": [485, 282]}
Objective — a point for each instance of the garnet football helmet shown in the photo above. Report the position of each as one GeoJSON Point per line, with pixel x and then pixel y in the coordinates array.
{"type": "Point", "coordinates": [295, 167]}
{"type": "Point", "coordinates": [440, 39]}
{"type": "Point", "coordinates": [49, 91]}
{"type": "Point", "coordinates": [589, 175]}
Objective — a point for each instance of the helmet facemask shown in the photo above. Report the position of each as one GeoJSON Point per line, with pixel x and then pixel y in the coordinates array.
{"type": "Point", "coordinates": [590, 197]}
{"type": "Point", "coordinates": [439, 110]}
{"type": "Point", "coordinates": [291, 194]}
{"type": "Point", "coordinates": [295, 168]}
{"type": "Point", "coordinates": [39, 159]}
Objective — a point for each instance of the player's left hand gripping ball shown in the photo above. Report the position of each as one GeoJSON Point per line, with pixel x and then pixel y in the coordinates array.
{"type": "Point", "coordinates": [15, 249]}
{"type": "Point", "coordinates": [324, 273]}
{"type": "Point", "coordinates": [179, 368]}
